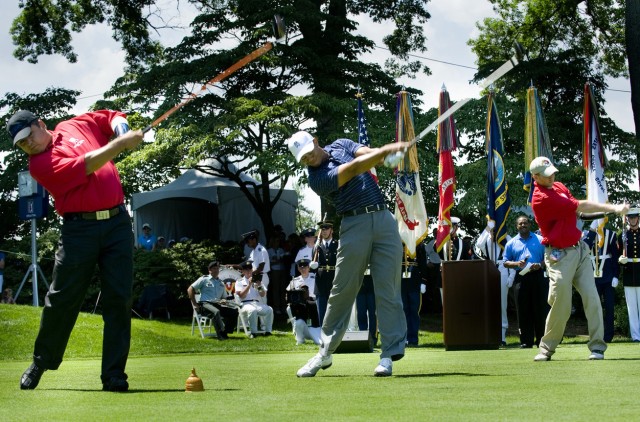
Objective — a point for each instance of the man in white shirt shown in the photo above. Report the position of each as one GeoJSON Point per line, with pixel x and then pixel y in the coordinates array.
{"type": "Point", "coordinates": [488, 249]}
{"type": "Point", "coordinates": [259, 258]}
{"type": "Point", "coordinates": [250, 290]}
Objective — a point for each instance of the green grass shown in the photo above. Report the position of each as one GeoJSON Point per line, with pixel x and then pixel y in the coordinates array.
{"type": "Point", "coordinates": [255, 380]}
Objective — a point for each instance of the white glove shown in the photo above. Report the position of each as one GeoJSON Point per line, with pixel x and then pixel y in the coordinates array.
{"type": "Point", "coordinates": [313, 265]}
{"type": "Point", "coordinates": [594, 225]}
{"type": "Point", "coordinates": [614, 282]}
{"type": "Point", "coordinates": [423, 288]}
{"type": "Point", "coordinates": [490, 225]}
{"type": "Point", "coordinates": [623, 260]}
{"type": "Point", "coordinates": [510, 282]}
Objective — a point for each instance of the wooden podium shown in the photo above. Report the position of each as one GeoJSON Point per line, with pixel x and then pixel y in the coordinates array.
{"type": "Point", "coordinates": [471, 305]}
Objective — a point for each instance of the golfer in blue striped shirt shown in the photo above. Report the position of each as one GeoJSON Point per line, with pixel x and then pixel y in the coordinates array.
{"type": "Point", "coordinates": [369, 235]}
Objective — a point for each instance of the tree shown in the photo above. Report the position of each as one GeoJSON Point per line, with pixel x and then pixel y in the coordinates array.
{"type": "Point", "coordinates": [248, 117]}
{"type": "Point", "coordinates": [53, 105]}
{"type": "Point", "coordinates": [564, 54]}
{"type": "Point", "coordinates": [632, 36]}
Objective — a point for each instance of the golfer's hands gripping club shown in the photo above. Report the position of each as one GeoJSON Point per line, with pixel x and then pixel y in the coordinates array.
{"type": "Point", "coordinates": [396, 152]}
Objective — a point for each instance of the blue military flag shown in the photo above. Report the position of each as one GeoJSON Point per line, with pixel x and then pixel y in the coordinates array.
{"type": "Point", "coordinates": [498, 201]}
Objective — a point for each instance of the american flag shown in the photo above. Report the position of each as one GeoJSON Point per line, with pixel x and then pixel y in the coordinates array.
{"type": "Point", "coordinates": [363, 137]}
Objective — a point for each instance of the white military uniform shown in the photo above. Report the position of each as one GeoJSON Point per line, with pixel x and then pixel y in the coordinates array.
{"type": "Point", "coordinates": [252, 305]}
{"type": "Point", "coordinates": [494, 252]}
{"type": "Point", "coordinates": [258, 256]}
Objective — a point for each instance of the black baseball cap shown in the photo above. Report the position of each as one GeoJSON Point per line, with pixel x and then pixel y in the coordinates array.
{"type": "Point", "coordinates": [19, 125]}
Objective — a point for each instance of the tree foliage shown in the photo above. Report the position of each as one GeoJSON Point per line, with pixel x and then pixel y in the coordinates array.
{"type": "Point", "coordinates": [569, 43]}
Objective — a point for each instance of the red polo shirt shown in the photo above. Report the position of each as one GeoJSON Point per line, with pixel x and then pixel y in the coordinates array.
{"type": "Point", "coordinates": [555, 211]}
{"type": "Point", "coordinates": [61, 168]}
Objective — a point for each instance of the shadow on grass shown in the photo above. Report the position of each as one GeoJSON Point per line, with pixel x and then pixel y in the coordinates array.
{"type": "Point", "coordinates": [135, 391]}
{"type": "Point", "coordinates": [435, 375]}
{"type": "Point", "coordinates": [442, 374]}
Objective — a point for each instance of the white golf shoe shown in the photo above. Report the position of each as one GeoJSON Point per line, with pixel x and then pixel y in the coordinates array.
{"type": "Point", "coordinates": [384, 368]}
{"type": "Point", "coordinates": [315, 364]}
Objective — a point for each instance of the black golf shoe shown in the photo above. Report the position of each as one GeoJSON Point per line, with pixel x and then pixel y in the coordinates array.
{"type": "Point", "coordinates": [116, 385]}
{"type": "Point", "coordinates": [31, 377]}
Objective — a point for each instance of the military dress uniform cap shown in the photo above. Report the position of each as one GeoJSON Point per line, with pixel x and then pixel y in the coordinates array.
{"type": "Point", "coordinates": [325, 223]}
{"type": "Point", "coordinates": [246, 264]}
{"type": "Point", "coordinates": [304, 262]}
{"type": "Point", "coordinates": [455, 220]}
{"type": "Point", "coordinates": [634, 211]}
{"type": "Point", "coordinates": [146, 226]}
{"type": "Point", "coordinates": [250, 235]}
{"type": "Point", "coordinates": [308, 232]}
{"type": "Point", "coordinates": [213, 264]}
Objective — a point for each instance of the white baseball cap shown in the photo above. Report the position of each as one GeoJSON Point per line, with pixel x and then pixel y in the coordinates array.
{"type": "Point", "coordinates": [543, 166]}
{"type": "Point", "coordinates": [300, 144]}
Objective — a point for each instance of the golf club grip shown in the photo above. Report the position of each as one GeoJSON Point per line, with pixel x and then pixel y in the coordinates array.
{"type": "Point", "coordinates": [219, 77]}
{"type": "Point", "coordinates": [592, 216]}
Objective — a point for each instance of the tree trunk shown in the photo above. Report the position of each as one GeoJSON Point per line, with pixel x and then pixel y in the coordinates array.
{"type": "Point", "coordinates": [632, 35]}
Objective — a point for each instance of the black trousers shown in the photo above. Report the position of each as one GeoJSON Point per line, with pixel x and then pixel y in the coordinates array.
{"type": "Point", "coordinates": [608, 296]}
{"type": "Point", "coordinates": [83, 245]}
{"type": "Point", "coordinates": [531, 293]}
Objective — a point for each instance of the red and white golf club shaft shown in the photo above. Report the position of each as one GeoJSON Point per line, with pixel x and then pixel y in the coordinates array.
{"type": "Point", "coordinates": [280, 33]}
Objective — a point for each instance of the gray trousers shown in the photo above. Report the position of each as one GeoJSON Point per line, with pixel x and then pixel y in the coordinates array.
{"type": "Point", "coordinates": [367, 239]}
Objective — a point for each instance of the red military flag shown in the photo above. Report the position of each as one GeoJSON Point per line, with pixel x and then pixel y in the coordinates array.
{"type": "Point", "coordinates": [447, 142]}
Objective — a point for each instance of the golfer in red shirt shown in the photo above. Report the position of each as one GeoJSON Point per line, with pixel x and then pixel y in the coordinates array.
{"type": "Point", "coordinates": [567, 258]}
{"type": "Point", "coordinates": [73, 162]}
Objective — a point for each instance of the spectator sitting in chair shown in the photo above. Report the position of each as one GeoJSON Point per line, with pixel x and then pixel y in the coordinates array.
{"type": "Point", "coordinates": [301, 306]}
{"type": "Point", "coordinates": [213, 294]}
{"type": "Point", "coordinates": [251, 291]}
{"type": "Point", "coordinates": [300, 294]}
{"type": "Point", "coordinates": [7, 296]}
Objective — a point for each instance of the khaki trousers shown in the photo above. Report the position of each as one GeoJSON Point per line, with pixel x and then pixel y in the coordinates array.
{"type": "Point", "coordinates": [571, 267]}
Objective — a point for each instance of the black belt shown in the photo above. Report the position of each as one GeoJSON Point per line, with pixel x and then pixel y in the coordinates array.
{"type": "Point", "coordinates": [365, 210]}
{"type": "Point", "coordinates": [95, 215]}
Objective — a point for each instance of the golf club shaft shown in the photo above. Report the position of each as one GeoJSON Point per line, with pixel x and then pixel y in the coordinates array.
{"type": "Point", "coordinates": [497, 74]}
{"type": "Point", "coordinates": [220, 77]}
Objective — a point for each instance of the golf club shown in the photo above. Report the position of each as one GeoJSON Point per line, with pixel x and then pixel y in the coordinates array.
{"type": "Point", "coordinates": [280, 34]}
{"type": "Point", "coordinates": [392, 160]}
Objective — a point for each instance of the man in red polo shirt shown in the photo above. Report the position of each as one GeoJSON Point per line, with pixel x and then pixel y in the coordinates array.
{"type": "Point", "coordinates": [567, 258]}
{"type": "Point", "coordinates": [73, 162]}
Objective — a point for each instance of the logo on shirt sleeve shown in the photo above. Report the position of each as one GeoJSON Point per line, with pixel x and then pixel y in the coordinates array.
{"type": "Point", "coordinates": [76, 142]}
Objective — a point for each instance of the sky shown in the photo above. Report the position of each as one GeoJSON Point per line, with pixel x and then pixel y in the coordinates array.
{"type": "Point", "coordinates": [100, 62]}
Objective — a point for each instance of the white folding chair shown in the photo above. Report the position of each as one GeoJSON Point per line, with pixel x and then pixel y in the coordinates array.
{"type": "Point", "coordinates": [202, 321]}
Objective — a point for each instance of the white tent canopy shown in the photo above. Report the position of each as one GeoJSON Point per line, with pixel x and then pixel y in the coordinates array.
{"type": "Point", "coordinates": [200, 206]}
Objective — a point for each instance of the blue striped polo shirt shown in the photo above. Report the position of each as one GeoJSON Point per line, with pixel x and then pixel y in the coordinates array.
{"type": "Point", "coordinates": [359, 192]}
